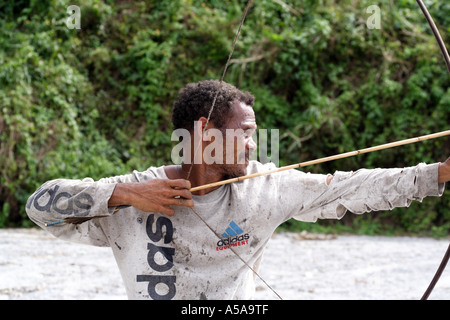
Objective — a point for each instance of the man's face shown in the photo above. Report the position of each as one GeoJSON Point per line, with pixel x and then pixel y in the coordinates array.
{"type": "Point", "coordinates": [238, 142]}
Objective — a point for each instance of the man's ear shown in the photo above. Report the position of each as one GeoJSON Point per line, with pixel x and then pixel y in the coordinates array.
{"type": "Point", "coordinates": [203, 122]}
{"type": "Point", "coordinates": [199, 127]}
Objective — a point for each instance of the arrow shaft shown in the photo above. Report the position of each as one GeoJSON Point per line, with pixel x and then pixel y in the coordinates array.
{"type": "Point", "coordinates": [326, 159]}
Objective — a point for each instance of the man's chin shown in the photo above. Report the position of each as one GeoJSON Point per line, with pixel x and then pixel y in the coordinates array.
{"type": "Point", "coordinates": [237, 170]}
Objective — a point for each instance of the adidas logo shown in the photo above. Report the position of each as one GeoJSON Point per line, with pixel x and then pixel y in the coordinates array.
{"type": "Point", "coordinates": [232, 237]}
{"type": "Point", "coordinates": [232, 230]}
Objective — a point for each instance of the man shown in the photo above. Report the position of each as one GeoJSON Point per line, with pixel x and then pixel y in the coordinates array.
{"type": "Point", "coordinates": [164, 251]}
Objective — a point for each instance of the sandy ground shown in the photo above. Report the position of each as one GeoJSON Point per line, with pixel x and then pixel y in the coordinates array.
{"type": "Point", "coordinates": [34, 265]}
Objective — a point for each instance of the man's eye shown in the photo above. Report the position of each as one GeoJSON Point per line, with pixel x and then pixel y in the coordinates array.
{"type": "Point", "coordinates": [249, 132]}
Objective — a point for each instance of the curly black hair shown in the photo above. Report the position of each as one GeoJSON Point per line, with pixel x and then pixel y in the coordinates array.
{"type": "Point", "coordinates": [195, 101]}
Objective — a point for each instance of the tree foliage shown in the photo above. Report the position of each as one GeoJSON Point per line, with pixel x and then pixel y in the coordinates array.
{"type": "Point", "coordinates": [97, 101]}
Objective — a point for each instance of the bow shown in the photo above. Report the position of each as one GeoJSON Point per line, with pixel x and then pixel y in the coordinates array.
{"type": "Point", "coordinates": [389, 145]}
{"type": "Point", "coordinates": [444, 51]}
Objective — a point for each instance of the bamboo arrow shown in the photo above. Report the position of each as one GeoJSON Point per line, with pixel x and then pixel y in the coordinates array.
{"type": "Point", "coordinates": [326, 159]}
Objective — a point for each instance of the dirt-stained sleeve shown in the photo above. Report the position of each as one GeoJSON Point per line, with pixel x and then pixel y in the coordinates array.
{"type": "Point", "coordinates": [79, 200]}
{"type": "Point", "coordinates": [361, 191]}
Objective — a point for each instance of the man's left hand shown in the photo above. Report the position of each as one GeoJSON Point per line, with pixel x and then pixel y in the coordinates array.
{"type": "Point", "coordinates": [444, 171]}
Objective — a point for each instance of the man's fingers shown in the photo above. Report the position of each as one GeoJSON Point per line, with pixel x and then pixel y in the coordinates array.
{"type": "Point", "coordinates": [167, 211]}
{"type": "Point", "coordinates": [178, 202]}
{"type": "Point", "coordinates": [163, 195]}
{"type": "Point", "coordinates": [180, 183]}
{"type": "Point", "coordinates": [181, 202]}
{"type": "Point", "coordinates": [182, 193]}
{"type": "Point", "coordinates": [180, 188]}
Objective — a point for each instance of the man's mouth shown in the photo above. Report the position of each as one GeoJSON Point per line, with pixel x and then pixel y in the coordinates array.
{"type": "Point", "coordinates": [244, 158]}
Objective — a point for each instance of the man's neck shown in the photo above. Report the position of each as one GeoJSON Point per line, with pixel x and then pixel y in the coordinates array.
{"type": "Point", "coordinates": [201, 174]}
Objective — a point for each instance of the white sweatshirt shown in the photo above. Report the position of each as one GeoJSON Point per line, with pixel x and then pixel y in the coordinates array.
{"type": "Point", "coordinates": [178, 257]}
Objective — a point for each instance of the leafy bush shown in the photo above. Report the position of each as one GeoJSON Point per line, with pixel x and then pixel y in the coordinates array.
{"type": "Point", "coordinates": [97, 101]}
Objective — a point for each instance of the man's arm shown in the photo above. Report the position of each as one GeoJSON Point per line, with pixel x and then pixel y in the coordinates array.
{"type": "Point", "coordinates": [359, 192]}
{"type": "Point", "coordinates": [444, 172]}
{"type": "Point", "coordinates": [153, 195]}
{"type": "Point", "coordinates": [58, 199]}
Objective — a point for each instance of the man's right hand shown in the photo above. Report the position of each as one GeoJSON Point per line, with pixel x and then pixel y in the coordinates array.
{"type": "Point", "coordinates": [156, 195]}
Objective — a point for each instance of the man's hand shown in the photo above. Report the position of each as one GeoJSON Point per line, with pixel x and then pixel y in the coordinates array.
{"type": "Point", "coordinates": [157, 195]}
{"type": "Point", "coordinates": [444, 172]}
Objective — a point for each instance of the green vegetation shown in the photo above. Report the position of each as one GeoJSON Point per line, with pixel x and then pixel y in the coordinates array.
{"type": "Point", "coordinates": [97, 101]}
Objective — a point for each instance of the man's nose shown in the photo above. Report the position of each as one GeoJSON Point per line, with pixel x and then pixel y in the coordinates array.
{"type": "Point", "coordinates": [251, 144]}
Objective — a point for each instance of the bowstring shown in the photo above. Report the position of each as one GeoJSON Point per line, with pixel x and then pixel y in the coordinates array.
{"type": "Point", "coordinates": [220, 84]}
{"type": "Point", "coordinates": [244, 15]}
{"type": "Point", "coordinates": [237, 255]}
